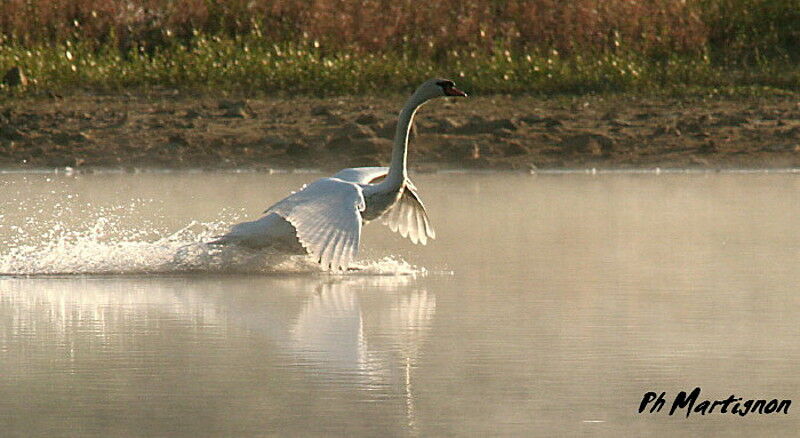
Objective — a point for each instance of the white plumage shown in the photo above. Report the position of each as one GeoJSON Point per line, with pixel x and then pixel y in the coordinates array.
{"type": "Point", "coordinates": [327, 217]}
{"type": "Point", "coordinates": [324, 218]}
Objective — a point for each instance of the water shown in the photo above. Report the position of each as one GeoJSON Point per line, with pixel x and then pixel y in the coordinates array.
{"type": "Point", "coordinates": [547, 305]}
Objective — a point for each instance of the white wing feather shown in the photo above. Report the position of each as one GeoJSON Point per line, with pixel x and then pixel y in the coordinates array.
{"type": "Point", "coordinates": [327, 217]}
{"type": "Point", "coordinates": [409, 218]}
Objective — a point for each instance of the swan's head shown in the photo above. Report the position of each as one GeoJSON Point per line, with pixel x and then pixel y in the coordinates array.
{"type": "Point", "coordinates": [434, 88]}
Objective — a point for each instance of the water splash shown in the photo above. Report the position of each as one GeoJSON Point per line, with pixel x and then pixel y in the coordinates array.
{"type": "Point", "coordinates": [105, 245]}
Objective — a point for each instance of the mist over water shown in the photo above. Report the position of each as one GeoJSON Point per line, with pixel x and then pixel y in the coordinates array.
{"type": "Point", "coordinates": [57, 232]}
{"type": "Point", "coordinates": [547, 305]}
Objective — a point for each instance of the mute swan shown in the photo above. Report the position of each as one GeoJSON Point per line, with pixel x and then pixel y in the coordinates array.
{"type": "Point", "coordinates": [324, 218]}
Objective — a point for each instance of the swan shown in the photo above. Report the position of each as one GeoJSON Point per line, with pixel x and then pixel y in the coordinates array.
{"type": "Point", "coordinates": [324, 218]}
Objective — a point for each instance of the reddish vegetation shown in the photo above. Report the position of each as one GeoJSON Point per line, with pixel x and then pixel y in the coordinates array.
{"type": "Point", "coordinates": [370, 24]}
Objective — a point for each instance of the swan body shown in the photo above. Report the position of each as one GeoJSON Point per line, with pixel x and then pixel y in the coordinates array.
{"type": "Point", "coordinates": [325, 217]}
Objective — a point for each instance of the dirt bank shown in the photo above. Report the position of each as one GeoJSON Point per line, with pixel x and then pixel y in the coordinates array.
{"type": "Point", "coordinates": [499, 132]}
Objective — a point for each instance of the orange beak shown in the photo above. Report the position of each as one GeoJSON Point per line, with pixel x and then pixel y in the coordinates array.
{"type": "Point", "coordinates": [453, 91]}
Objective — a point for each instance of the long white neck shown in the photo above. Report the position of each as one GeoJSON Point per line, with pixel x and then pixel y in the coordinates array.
{"type": "Point", "coordinates": [397, 168]}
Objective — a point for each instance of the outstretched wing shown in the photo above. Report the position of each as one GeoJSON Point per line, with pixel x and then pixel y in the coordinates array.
{"type": "Point", "coordinates": [362, 175]}
{"type": "Point", "coordinates": [327, 217]}
{"type": "Point", "coordinates": [409, 218]}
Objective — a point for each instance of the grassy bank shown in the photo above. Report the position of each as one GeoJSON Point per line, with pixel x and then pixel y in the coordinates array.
{"type": "Point", "coordinates": [330, 47]}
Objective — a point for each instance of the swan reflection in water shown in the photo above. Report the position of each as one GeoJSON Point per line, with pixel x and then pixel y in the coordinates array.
{"type": "Point", "coordinates": [362, 332]}
{"type": "Point", "coordinates": [348, 327]}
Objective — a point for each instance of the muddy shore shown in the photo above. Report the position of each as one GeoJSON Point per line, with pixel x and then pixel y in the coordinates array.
{"type": "Point", "coordinates": [498, 132]}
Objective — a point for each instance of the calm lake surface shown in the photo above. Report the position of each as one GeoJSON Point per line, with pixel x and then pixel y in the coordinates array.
{"type": "Point", "coordinates": [548, 305]}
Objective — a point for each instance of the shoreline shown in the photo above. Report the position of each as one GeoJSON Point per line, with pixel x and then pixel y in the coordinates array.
{"type": "Point", "coordinates": [497, 133]}
{"type": "Point", "coordinates": [69, 171]}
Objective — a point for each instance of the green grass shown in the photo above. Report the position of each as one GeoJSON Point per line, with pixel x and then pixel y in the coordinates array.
{"type": "Point", "coordinates": [247, 65]}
